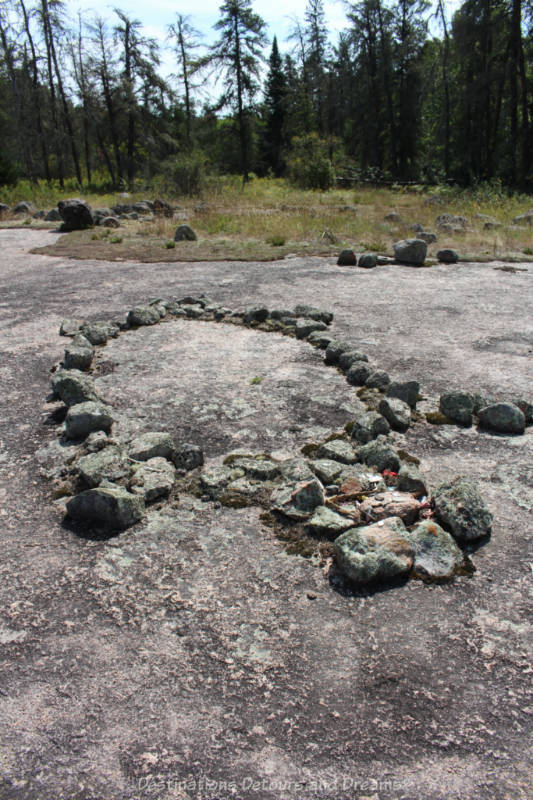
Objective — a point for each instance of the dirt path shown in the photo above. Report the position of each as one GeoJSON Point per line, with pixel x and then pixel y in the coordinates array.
{"type": "Point", "coordinates": [184, 658]}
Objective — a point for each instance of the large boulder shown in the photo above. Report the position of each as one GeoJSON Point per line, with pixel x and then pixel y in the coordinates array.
{"type": "Point", "coordinates": [410, 251]}
{"type": "Point", "coordinates": [76, 214]}
{"type": "Point", "coordinates": [72, 387]}
{"type": "Point", "coordinates": [106, 507]}
{"type": "Point", "coordinates": [457, 406]}
{"type": "Point", "coordinates": [84, 418]}
{"type": "Point", "coordinates": [376, 552]}
{"type": "Point", "coordinates": [502, 418]}
{"type": "Point", "coordinates": [460, 508]}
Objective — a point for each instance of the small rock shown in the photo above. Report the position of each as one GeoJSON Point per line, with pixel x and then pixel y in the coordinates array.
{"type": "Point", "coordinates": [379, 379]}
{"type": "Point", "coordinates": [396, 412]}
{"type": "Point", "coordinates": [349, 357]}
{"type": "Point", "coordinates": [334, 350]}
{"type": "Point", "coordinates": [320, 339]}
{"type": "Point", "coordinates": [111, 508]}
{"type": "Point", "coordinates": [295, 470]}
{"type": "Point", "coordinates": [407, 391]}
{"type": "Point", "coordinates": [184, 233]}
{"type": "Point", "coordinates": [525, 407]}
{"type": "Point", "coordinates": [99, 332]}
{"type": "Point", "coordinates": [107, 464]}
{"type": "Point", "coordinates": [306, 326]}
{"type": "Point", "coordinates": [410, 480]}
{"type": "Point", "coordinates": [188, 456]}
{"type": "Point", "coordinates": [416, 227]}
{"type": "Point", "coordinates": [457, 406]}
{"type": "Point", "coordinates": [24, 208]}
{"type": "Point", "coordinates": [72, 387]}
{"type": "Point", "coordinates": [262, 469]}
{"type": "Point", "coordinates": [367, 261]}
{"type": "Point", "coordinates": [4, 210]}
{"type": "Point", "coordinates": [460, 508]}
{"type": "Point", "coordinates": [69, 327]}
{"type": "Point", "coordinates": [410, 251]}
{"type": "Point", "coordinates": [448, 256]}
{"type": "Point", "coordinates": [326, 522]}
{"type": "Point", "coordinates": [256, 314]}
{"type": "Point", "coordinates": [502, 418]}
{"type": "Point", "coordinates": [162, 209]}
{"type": "Point", "coordinates": [96, 441]}
{"type": "Point", "coordinates": [298, 501]}
{"type": "Point", "coordinates": [337, 450]}
{"type": "Point", "coordinates": [155, 478]}
{"type": "Point", "coordinates": [143, 315]}
{"type": "Point", "coordinates": [78, 354]}
{"type": "Point", "coordinates": [311, 312]}
{"type": "Point", "coordinates": [52, 216]}
{"type": "Point", "coordinates": [358, 373]}
{"type": "Point", "coordinates": [369, 426]}
{"type": "Point", "coordinates": [524, 219]}
{"type": "Point", "coordinates": [347, 258]}
{"type": "Point", "coordinates": [326, 470]}
{"type": "Point", "coordinates": [394, 217]}
{"type": "Point", "coordinates": [195, 311]}
{"type": "Point", "coordinates": [109, 222]}
{"type": "Point", "coordinates": [280, 313]}
{"type": "Point", "coordinates": [375, 552]}
{"type": "Point", "coordinates": [84, 418]}
{"type": "Point", "coordinates": [451, 219]}
{"type": "Point", "coordinates": [427, 236]}
{"type": "Point", "coordinates": [436, 555]}
{"type": "Point", "coordinates": [380, 454]}
{"type": "Point", "coordinates": [390, 504]}
{"type": "Point", "coordinates": [156, 444]}
{"type": "Point", "coordinates": [217, 478]}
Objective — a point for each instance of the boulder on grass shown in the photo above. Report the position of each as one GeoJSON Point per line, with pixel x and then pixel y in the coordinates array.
{"type": "Point", "coordinates": [184, 233]}
{"type": "Point", "coordinates": [410, 251]}
{"type": "Point", "coordinates": [76, 214]}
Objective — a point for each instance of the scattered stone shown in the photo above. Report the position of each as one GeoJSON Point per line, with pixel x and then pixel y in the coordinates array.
{"type": "Point", "coordinates": [193, 311]}
{"type": "Point", "coordinates": [295, 470]}
{"type": "Point", "coordinates": [337, 450]}
{"type": "Point", "coordinates": [379, 379]}
{"type": "Point", "coordinates": [448, 256]}
{"type": "Point", "coordinates": [311, 312]}
{"type": "Point", "coordinates": [320, 339]}
{"type": "Point", "coordinates": [427, 236]}
{"type": "Point", "coordinates": [349, 357]}
{"type": "Point", "coordinates": [525, 407]}
{"type": "Point", "coordinates": [451, 219]}
{"type": "Point", "coordinates": [79, 354]}
{"type": "Point", "coordinates": [143, 315]}
{"type": "Point", "coordinates": [84, 418]}
{"type": "Point", "coordinates": [217, 478]}
{"type": "Point", "coordinates": [52, 216]}
{"type": "Point", "coordinates": [109, 222]}
{"type": "Point", "coordinates": [358, 373]}
{"type": "Point", "coordinates": [368, 261]}
{"type": "Point", "coordinates": [256, 314]}
{"type": "Point", "coordinates": [379, 454]}
{"type": "Point", "coordinates": [334, 350]}
{"type": "Point", "coordinates": [410, 251]}
{"type": "Point", "coordinates": [110, 508]}
{"type": "Point", "coordinates": [184, 233]}
{"type": "Point", "coordinates": [4, 210]}
{"type": "Point", "coordinates": [390, 504]}
{"type": "Point", "coordinates": [359, 479]}
{"type": "Point", "coordinates": [152, 445]}
{"type": "Point", "coordinates": [347, 258]}
{"type": "Point", "coordinates": [155, 478]}
{"type": "Point", "coordinates": [524, 219]}
{"type": "Point", "coordinates": [410, 480]}
{"type": "Point", "coordinates": [396, 412]}
{"type": "Point", "coordinates": [492, 225]}
{"type": "Point", "coordinates": [326, 470]}
{"type": "Point", "coordinates": [394, 217]}
{"type": "Point", "coordinates": [76, 214]}
{"type": "Point", "coordinates": [96, 441]}
{"type": "Point", "coordinates": [306, 326]}
{"type": "Point", "coordinates": [407, 391]}
{"type": "Point", "coordinates": [436, 555]}
{"type": "Point", "coordinates": [280, 313]}
{"type": "Point", "coordinates": [262, 469]}
{"type": "Point", "coordinates": [107, 464]}
{"type": "Point", "coordinates": [188, 456]}
{"type": "Point", "coordinates": [162, 209]}
{"type": "Point", "coordinates": [460, 508]}
{"type": "Point", "coordinates": [376, 552]}
{"type": "Point", "coordinates": [457, 406]}
{"type": "Point", "coordinates": [99, 332]}
{"type": "Point", "coordinates": [24, 208]}
{"type": "Point", "coordinates": [502, 418]}
{"type": "Point", "coordinates": [369, 426]}
{"type": "Point", "coordinates": [298, 501]}
{"type": "Point", "coordinates": [72, 387]}
{"type": "Point", "coordinates": [69, 327]}
{"type": "Point", "coordinates": [326, 522]}
{"type": "Point", "coordinates": [416, 227]}
{"type": "Point", "coordinates": [39, 215]}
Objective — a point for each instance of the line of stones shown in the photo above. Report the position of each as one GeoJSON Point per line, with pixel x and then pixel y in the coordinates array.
{"type": "Point", "coordinates": [348, 474]}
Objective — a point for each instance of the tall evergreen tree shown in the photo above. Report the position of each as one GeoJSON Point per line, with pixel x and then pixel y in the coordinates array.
{"type": "Point", "coordinates": [276, 112]}
{"type": "Point", "coordinates": [186, 42]}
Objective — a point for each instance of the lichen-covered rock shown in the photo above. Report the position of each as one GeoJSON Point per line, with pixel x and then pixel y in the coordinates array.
{"type": "Point", "coordinates": [109, 222]}
{"type": "Point", "coordinates": [109, 508]}
{"type": "Point", "coordinates": [379, 379]}
{"type": "Point", "coordinates": [525, 406]}
{"type": "Point", "coordinates": [410, 479]}
{"type": "Point", "coordinates": [379, 454]}
{"type": "Point", "coordinates": [95, 441]}
{"type": "Point", "coordinates": [72, 387]}
{"type": "Point", "coordinates": [153, 479]}
{"type": "Point", "coordinates": [407, 391]}
{"type": "Point", "coordinates": [84, 418]}
{"type": "Point", "coordinates": [320, 339]}
{"type": "Point", "coordinates": [337, 450]}
{"type": "Point", "coordinates": [448, 256]}
{"type": "Point", "coordinates": [349, 357]}
{"type": "Point", "coordinates": [69, 327]}
{"type": "Point", "coordinates": [99, 332]}
{"type": "Point", "coordinates": [256, 314]}
{"type": "Point", "coordinates": [162, 209]}
{"type": "Point", "coordinates": [143, 315]}
{"type": "Point", "coordinates": [24, 207]}
{"type": "Point", "coordinates": [451, 219]}
{"type": "Point", "coordinates": [107, 464]}
{"type": "Point", "coordinates": [460, 508]}
{"type": "Point", "coordinates": [428, 236]}
{"type": "Point", "coordinates": [262, 469]}
{"type": "Point", "coordinates": [347, 258]}
{"type": "Point", "coordinates": [76, 214]}
{"type": "Point", "coordinates": [184, 233]}
{"type": "Point", "coordinates": [396, 412]}
{"type": "Point", "coordinates": [436, 555]}
{"type": "Point", "coordinates": [368, 426]}
{"type": "Point", "coordinates": [304, 326]}
{"type": "Point", "coordinates": [188, 456]}
{"type": "Point", "coordinates": [502, 418]}
{"type": "Point", "coordinates": [390, 504]}
{"type": "Point", "coordinates": [358, 373]}
{"type": "Point", "coordinates": [326, 522]}
{"type": "Point", "coordinates": [214, 480]}
{"type": "Point", "coordinates": [410, 251]}
{"type": "Point", "coordinates": [376, 552]}
{"type": "Point", "coordinates": [334, 350]}
{"type": "Point", "coordinates": [312, 312]}
{"type": "Point", "coordinates": [524, 219]}
{"type": "Point", "coordinates": [326, 470]}
{"type": "Point", "coordinates": [296, 469]}
{"type": "Point", "coordinates": [367, 261]}
{"type": "Point", "coordinates": [457, 406]}
{"type": "Point", "coordinates": [156, 444]}
{"type": "Point", "coordinates": [298, 501]}
{"type": "Point", "coordinates": [79, 354]}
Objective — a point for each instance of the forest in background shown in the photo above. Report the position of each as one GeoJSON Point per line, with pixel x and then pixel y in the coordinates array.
{"type": "Point", "coordinates": [408, 93]}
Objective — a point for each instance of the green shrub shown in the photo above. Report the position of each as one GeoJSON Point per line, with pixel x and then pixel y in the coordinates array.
{"type": "Point", "coordinates": [116, 239]}
{"type": "Point", "coordinates": [170, 244]}
{"type": "Point", "coordinates": [276, 240]}
{"type": "Point", "coordinates": [186, 174]}
{"type": "Point", "coordinates": [309, 164]}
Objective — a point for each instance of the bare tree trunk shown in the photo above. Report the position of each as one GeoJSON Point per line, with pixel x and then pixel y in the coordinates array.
{"type": "Point", "coordinates": [36, 94]}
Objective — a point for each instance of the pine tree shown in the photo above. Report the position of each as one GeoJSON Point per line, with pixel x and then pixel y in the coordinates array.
{"type": "Point", "coordinates": [276, 112]}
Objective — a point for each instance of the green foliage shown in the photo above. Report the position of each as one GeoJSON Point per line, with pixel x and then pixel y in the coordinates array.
{"type": "Point", "coordinates": [170, 244]}
{"type": "Point", "coordinates": [276, 240]}
{"type": "Point", "coordinates": [186, 174]}
{"type": "Point", "coordinates": [9, 172]}
{"type": "Point", "coordinates": [309, 164]}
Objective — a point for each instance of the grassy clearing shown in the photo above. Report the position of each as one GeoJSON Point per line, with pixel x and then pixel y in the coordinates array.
{"type": "Point", "coordinates": [270, 219]}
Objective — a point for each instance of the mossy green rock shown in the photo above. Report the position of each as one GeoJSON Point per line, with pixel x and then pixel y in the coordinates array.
{"type": "Point", "coordinates": [72, 387]}
{"type": "Point", "coordinates": [437, 556]}
{"type": "Point", "coordinates": [326, 470]}
{"type": "Point", "coordinates": [109, 508]}
{"type": "Point", "coordinates": [337, 450]}
{"type": "Point", "coordinates": [107, 464]}
{"type": "Point", "coordinates": [326, 522]}
{"type": "Point", "coordinates": [457, 406]}
{"type": "Point", "coordinates": [369, 426]}
{"type": "Point", "coordinates": [376, 552]}
{"type": "Point", "coordinates": [143, 315]}
{"type": "Point", "coordinates": [460, 508]}
{"type": "Point", "coordinates": [379, 454]}
{"type": "Point", "coordinates": [156, 444]}
{"type": "Point", "coordinates": [298, 501]}
{"type": "Point", "coordinates": [396, 412]}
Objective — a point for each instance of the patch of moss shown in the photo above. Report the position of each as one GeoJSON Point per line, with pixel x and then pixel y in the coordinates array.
{"type": "Point", "coordinates": [403, 455]}
{"type": "Point", "coordinates": [309, 449]}
{"type": "Point", "coordinates": [349, 427]}
{"type": "Point", "coordinates": [235, 500]}
{"type": "Point", "coordinates": [233, 457]}
{"type": "Point", "coordinates": [438, 418]}
{"type": "Point", "coordinates": [334, 436]}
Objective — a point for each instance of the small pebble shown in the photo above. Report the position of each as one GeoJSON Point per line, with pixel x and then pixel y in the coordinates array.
{"type": "Point", "coordinates": [311, 596]}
